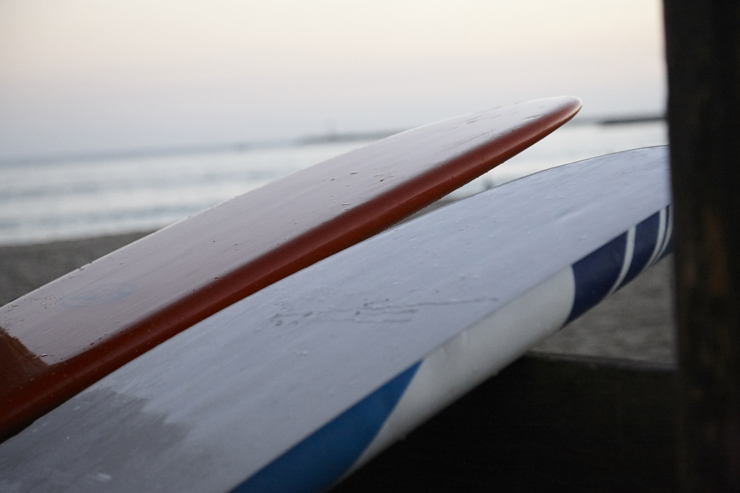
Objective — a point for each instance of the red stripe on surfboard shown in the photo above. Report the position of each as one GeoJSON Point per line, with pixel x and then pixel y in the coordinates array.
{"type": "Point", "coordinates": [63, 337]}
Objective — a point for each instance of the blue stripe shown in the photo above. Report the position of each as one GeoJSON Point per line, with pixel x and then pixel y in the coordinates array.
{"type": "Point", "coordinates": [595, 274]}
{"type": "Point", "coordinates": [323, 457]}
{"type": "Point", "coordinates": [646, 237]}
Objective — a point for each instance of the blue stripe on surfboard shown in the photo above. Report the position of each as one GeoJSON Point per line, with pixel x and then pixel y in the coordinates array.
{"type": "Point", "coordinates": [646, 236]}
{"type": "Point", "coordinates": [595, 274]}
{"type": "Point", "coordinates": [323, 457]}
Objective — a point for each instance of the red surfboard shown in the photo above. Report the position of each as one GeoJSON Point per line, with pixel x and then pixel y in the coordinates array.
{"type": "Point", "coordinates": [63, 337]}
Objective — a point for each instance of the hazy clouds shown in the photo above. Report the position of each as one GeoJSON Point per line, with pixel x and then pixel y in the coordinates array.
{"type": "Point", "coordinates": [82, 75]}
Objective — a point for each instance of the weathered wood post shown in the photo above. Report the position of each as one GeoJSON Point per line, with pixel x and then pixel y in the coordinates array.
{"type": "Point", "coordinates": [703, 55]}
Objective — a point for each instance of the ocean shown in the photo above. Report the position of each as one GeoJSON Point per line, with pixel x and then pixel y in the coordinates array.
{"type": "Point", "coordinates": [52, 200]}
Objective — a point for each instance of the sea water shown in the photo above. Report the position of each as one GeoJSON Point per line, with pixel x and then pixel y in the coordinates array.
{"type": "Point", "coordinates": [74, 198]}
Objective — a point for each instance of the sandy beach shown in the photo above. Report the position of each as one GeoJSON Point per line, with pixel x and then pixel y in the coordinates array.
{"type": "Point", "coordinates": [24, 268]}
{"type": "Point", "coordinates": [635, 323]}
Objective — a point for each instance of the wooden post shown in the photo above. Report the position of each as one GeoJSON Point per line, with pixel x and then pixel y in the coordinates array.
{"type": "Point", "coordinates": [703, 55]}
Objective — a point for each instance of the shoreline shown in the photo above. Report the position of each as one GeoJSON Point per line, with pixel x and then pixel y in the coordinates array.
{"type": "Point", "coordinates": [635, 323]}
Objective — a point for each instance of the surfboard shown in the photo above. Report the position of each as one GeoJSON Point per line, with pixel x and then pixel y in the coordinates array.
{"type": "Point", "coordinates": [62, 337]}
{"type": "Point", "coordinates": [296, 386]}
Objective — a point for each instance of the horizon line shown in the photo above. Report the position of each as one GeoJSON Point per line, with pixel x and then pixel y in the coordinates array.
{"type": "Point", "coordinates": [307, 140]}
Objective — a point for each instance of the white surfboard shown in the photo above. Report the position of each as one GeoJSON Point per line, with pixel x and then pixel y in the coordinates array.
{"type": "Point", "coordinates": [299, 384]}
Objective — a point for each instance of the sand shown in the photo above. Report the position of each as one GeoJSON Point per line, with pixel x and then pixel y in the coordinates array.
{"type": "Point", "coordinates": [635, 323]}
{"type": "Point", "coordinates": [24, 268]}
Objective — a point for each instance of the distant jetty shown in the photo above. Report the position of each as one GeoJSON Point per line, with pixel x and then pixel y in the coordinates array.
{"type": "Point", "coordinates": [618, 120]}
{"type": "Point", "coordinates": [347, 137]}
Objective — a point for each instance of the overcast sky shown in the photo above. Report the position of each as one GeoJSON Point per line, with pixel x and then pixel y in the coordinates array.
{"type": "Point", "coordinates": [79, 76]}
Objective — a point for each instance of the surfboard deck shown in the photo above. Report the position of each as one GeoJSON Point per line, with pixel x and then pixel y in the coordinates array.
{"type": "Point", "coordinates": [299, 384]}
{"type": "Point", "coordinates": [66, 335]}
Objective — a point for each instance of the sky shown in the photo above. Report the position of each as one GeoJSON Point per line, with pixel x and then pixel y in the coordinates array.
{"type": "Point", "coordinates": [93, 76]}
